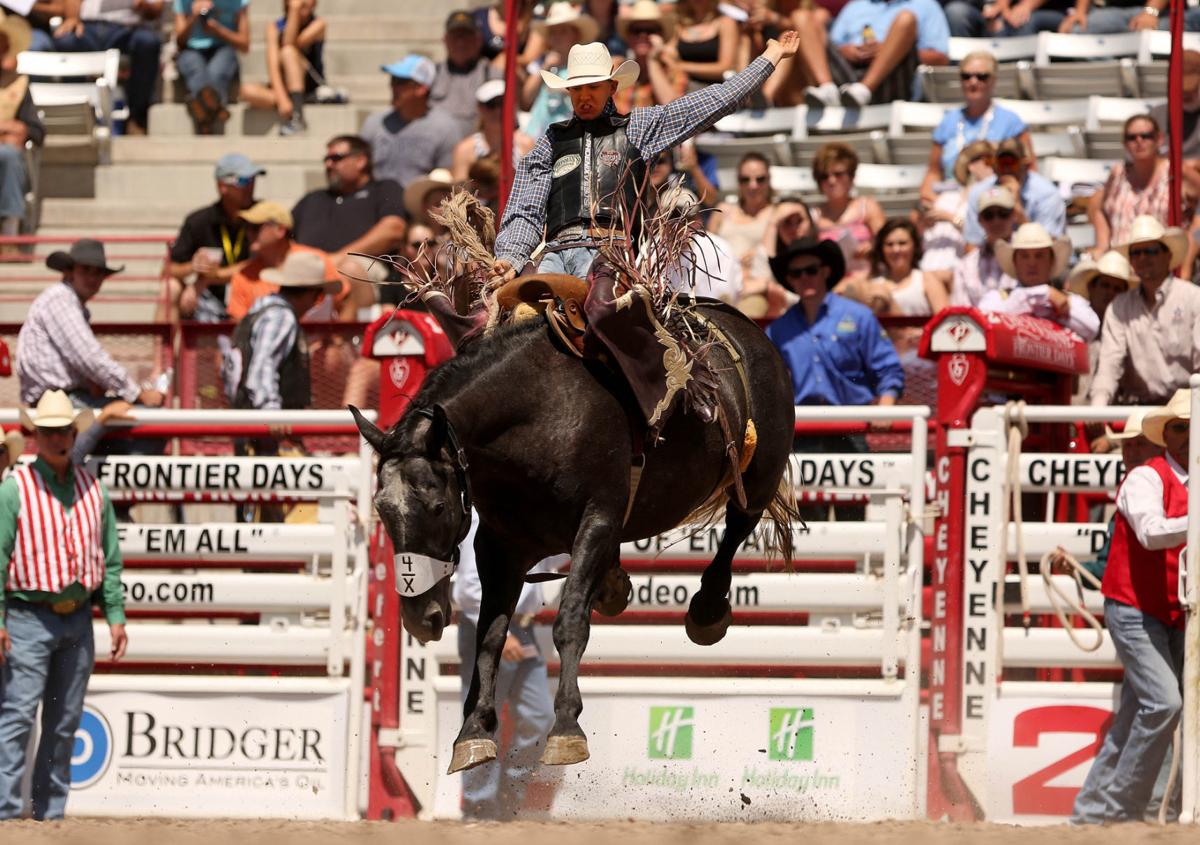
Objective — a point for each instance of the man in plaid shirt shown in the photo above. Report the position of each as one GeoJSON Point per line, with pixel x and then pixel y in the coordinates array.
{"type": "Point", "coordinates": [584, 175]}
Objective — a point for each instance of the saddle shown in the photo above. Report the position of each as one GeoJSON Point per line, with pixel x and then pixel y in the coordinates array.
{"type": "Point", "coordinates": [556, 296]}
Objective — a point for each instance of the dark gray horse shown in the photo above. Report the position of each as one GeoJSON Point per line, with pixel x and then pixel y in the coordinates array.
{"type": "Point", "coordinates": [549, 449]}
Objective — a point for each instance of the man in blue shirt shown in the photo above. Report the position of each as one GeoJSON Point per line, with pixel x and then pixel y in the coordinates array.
{"type": "Point", "coordinates": [871, 52]}
{"type": "Point", "coordinates": [1038, 199]}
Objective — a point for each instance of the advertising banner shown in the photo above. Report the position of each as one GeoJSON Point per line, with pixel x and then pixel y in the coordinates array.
{"type": "Point", "coordinates": [214, 755]}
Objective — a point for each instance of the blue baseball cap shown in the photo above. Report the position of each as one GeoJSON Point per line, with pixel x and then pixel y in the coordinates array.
{"type": "Point", "coordinates": [417, 68]}
{"type": "Point", "coordinates": [237, 166]}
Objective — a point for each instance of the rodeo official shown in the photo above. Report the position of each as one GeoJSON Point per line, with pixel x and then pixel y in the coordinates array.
{"type": "Point", "coordinates": [58, 534]}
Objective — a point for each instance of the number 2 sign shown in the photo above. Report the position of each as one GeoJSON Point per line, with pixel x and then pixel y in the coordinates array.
{"type": "Point", "coordinates": [1033, 795]}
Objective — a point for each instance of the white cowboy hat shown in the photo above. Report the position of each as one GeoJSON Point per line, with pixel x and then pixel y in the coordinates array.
{"type": "Point", "coordinates": [1147, 229]}
{"type": "Point", "coordinates": [648, 11]}
{"type": "Point", "coordinates": [302, 270]}
{"type": "Point", "coordinates": [1179, 408]}
{"type": "Point", "coordinates": [17, 30]}
{"type": "Point", "coordinates": [1033, 236]}
{"type": "Point", "coordinates": [54, 410]}
{"type": "Point", "coordinates": [14, 445]}
{"type": "Point", "coordinates": [414, 194]}
{"type": "Point", "coordinates": [589, 63]}
{"type": "Point", "coordinates": [1112, 264]}
{"type": "Point", "coordinates": [567, 14]}
{"type": "Point", "coordinates": [1133, 428]}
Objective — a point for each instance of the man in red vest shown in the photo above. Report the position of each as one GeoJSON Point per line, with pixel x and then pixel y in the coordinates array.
{"type": "Point", "coordinates": [58, 539]}
{"type": "Point", "coordinates": [1145, 621]}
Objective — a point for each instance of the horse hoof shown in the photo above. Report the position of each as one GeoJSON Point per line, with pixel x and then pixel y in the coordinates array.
{"type": "Point", "coordinates": [614, 593]}
{"type": "Point", "coordinates": [470, 753]}
{"type": "Point", "coordinates": [707, 634]}
{"type": "Point", "coordinates": [565, 750]}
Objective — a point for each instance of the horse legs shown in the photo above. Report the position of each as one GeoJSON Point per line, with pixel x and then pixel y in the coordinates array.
{"type": "Point", "coordinates": [597, 543]}
{"type": "Point", "coordinates": [709, 613]}
{"type": "Point", "coordinates": [501, 577]}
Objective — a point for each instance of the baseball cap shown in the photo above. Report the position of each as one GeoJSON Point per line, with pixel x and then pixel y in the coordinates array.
{"type": "Point", "coordinates": [493, 89]}
{"type": "Point", "coordinates": [417, 68]}
{"type": "Point", "coordinates": [461, 20]}
{"type": "Point", "coordinates": [267, 211]}
{"type": "Point", "coordinates": [237, 166]}
{"type": "Point", "coordinates": [996, 197]}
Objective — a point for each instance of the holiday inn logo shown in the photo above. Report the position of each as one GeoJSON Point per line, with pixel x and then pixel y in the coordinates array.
{"type": "Point", "coordinates": [671, 733]}
{"type": "Point", "coordinates": [791, 734]}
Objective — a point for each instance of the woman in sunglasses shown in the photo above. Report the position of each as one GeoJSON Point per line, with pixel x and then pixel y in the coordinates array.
{"type": "Point", "coordinates": [1139, 185]}
{"type": "Point", "coordinates": [979, 119]}
{"type": "Point", "coordinates": [849, 220]}
{"type": "Point", "coordinates": [743, 223]}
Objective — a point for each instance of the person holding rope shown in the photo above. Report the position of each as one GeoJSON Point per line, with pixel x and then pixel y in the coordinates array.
{"type": "Point", "coordinates": [1146, 622]}
{"type": "Point", "coordinates": [58, 538]}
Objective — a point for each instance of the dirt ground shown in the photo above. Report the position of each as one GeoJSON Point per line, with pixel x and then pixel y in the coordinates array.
{"type": "Point", "coordinates": [161, 832]}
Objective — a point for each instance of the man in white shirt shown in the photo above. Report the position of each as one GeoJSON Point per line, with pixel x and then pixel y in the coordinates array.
{"type": "Point", "coordinates": [1037, 261]}
{"type": "Point", "coordinates": [709, 267]}
{"type": "Point", "coordinates": [1145, 621]}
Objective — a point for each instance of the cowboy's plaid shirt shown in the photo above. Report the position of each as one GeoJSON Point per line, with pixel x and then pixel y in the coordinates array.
{"type": "Point", "coordinates": [650, 130]}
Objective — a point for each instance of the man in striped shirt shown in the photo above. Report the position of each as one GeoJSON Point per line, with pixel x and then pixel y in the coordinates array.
{"type": "Point", "coordinates": [58, 537]}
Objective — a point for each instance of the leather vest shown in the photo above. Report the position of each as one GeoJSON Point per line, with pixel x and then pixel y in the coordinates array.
{"type": "Point", "coordinates": [591, 160]}
{"type": "Point", "coordinates": [295, 387]}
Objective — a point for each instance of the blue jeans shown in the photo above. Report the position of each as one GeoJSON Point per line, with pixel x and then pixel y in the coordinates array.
{"type": "Point", "coordinates": [1119, 785]}
{"type": "Point", "coordinates": [212, 67]}
{"type": "Point", "coordinates": [966, 20]}
{"type": "Point", "coordinates": [141, 44]}
{"type": "Point", "coordinates": [50, 663]}
{"type": "Point", "coordinates": [496, 790]}
{"type": "Point", "coordinates": [12, 181]}
{"type": "Point", "coordinates": [41, 41]}
{"type": "Point", "coordinates": [1112, 19]}
{"type": "Point", "coordinates": [575, 261]}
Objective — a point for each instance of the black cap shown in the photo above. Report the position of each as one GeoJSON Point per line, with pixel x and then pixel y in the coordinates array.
{"type": "Point", "coordinates": [461, 20]}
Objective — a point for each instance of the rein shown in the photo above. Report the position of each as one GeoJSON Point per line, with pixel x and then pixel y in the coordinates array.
{"type": "Point", "coordinates": [459, 459]}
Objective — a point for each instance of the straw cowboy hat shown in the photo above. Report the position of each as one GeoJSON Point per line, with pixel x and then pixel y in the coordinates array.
{"type": "Point", "coordinates": [590, 63]}
{"type": "Point", "coordinates": [1133, 428]}
{"type": "Point", "coordinates": [1179, 408]}
{"type": "Point", "coordinates": [1147, 229]}
{"type": "Point", "coordinates": [54, 410]}
{"type": "Point", "coordinates": [1033, 236]}
{"type": "Point", "coordinates": [14, 445]}
{"type": "Point", "coordinates": [414, 194]}
{"type": "Point", "coordinates": [969, 153]}
{"type": "Point", "coordinates": [302, 270]}
{"type": "Point", "coordinates": [18, 32]}
{"type": "Point", "coordinates": [648, 11]}
{"type": "Point", "coordinates": [567, 14]}
{"type": "Point", "coordinates": [1112, 264]}
{"type": "Point", "coordinates": [84, 251]}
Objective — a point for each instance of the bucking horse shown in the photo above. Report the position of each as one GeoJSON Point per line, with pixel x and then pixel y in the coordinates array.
{"type": "Point", "coordinates": [539, 442]}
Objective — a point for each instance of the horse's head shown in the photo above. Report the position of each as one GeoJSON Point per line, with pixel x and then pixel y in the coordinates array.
{"type": "Point", "coordinates": [424, 501]}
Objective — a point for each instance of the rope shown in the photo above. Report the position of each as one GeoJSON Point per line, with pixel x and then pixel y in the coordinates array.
{"type": "Point", "coordinates": [1064, 603]}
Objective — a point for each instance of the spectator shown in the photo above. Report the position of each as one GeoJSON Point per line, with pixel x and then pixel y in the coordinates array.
{"type": "Point", "coordinates": [1145, 621]}
{"type": "Point", "coordinates": [39, 16]}
{"type": "Point", "coordinates": [1037, 198]}
{"type": "Point", "coordinates": [564, 27]}
{"type": "Point", "coordinates": [212, 242]}
{"type": "Point", "coordinates": [19, 122]}
{"type": "Point", "coordinates": [647, 28]}
{"type": "Point", "coordinates": [410, 140]}
{"type": "Point", "coordinates": [531, 43]}
{"type": "Point", "coordinates": [14, 446]}
{"type": "Point", "coordinates": [57, 350]}
{"type": "Point", "coordinates": [210, 34]}
{"type": "Point", "coordinates": [709, 266]}
{"type": "Point", "coordinates": [1139, 185]}
{"type": "Point", "coordinates": [1151, 339]}
{"type": "Point", "coordinates": [871, 53]}
{"type": "Point", "coordinates": [1038, 261]}
{"type": "Point", "coordinates": [484, 179]}
{"type": "Point", "coordinates": [978, 119]}
{"type": "Point", "coordinates": [682, 164]}
{"type": "Point", "coordinates": [898, 281]}
{"type": "Point", "coordinates": [269, 226]}
{"type": "Point", "coordinates": [763, 297]}
{"type": "Point", "coordinates": [604, 13]}
{"type": "Point", "coordinates": [489, 134]}
{"type": "Point", "coordinates": [295, 65]}
{"type": "Point", "coordinates": [1099, 282]}
{"type": "Point", "coordinates": [132, 28]}
{"type": "Point", "coordinates": [982, 19]}
{"type": "Point", "coordinates": [356, 213]}
{"type": "Point", "coordinates": [744, 223]}
{"type": "Point", "coordinates": [463, 71]}
{"type": "Point", "coordinates": [849, 221]}
{"type": "Point", "coordinates": [980, 273]}
{"type": "Point", "coordinates": [942, 241]}
{"type": "Point", "coordinates": [1124, 16]}
{"type": "Point", "coordinates": [1191, 106]}
{"type": "Point", "coordinates": [58, 537]}
{"type": "Point", "coordinates": [426, 195]}
{"type": "Point", "coordinates": [705, 46]}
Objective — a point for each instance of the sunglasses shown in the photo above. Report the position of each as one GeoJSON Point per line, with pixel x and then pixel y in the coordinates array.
{"type": "Point", "coordinates": [334, 158]}
{"type": "Point", "coordinates": [419, 244]}
{"type": "Point", "coordinates": [1130, 137]}
{"type": "Point", "coordinates": [1147, 252]}
{"type": "Point", "coordinates": [806, 270]}
{"type": "Point", "coordinates": [995, 214]}
{"type": "Point", "coordinates": [1178, 427]}
{"type": "Point", "coordinates": [238, 181]}
{"type": "Point", "coordinates": [752, 180]}
{"type": "Point", "coordinates": [980, 77]}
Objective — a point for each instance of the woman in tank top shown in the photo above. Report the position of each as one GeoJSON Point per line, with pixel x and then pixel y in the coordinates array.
{"type": "Point", "coordinates": [705, 43]}
{"type": "Point", "coordinates": [849, 220]}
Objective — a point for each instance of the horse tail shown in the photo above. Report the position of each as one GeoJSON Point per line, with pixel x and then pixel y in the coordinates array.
{"type": "Point", "coordinates": [782, 512]}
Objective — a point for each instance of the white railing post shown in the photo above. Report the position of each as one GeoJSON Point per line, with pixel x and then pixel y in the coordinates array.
{"type": "Point", "coordinates": [1191, 655]}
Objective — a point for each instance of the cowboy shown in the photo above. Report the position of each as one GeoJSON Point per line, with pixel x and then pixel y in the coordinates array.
{"type": "Point", "coordinates": [1151, 338]}
{"type": "Point", "coordinates": [582, 180]}
{"type": "Point", "coordinates": [1099, 282]}
{"type": "Point", "coordinates": [1037, 261]}
{"type": "Point", "coordinates": [14, 445]}
{"type": "Point", "coordinates": [1145, 621]}
{"type": "Point", "coordinates": [58, 535]}
{"type": "Point", "coordinates": [57, 350]}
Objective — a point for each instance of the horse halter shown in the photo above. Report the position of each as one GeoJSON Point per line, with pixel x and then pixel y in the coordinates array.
{"type": "Point", "coordinates": [459, 459]}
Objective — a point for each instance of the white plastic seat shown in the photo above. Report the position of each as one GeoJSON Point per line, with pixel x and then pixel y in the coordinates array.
{"type": "Point", "coordinates": [872, 178]}
{"type": "Point", "coordinates": [1071, 172]}
{"type": "Point", "coordinates": [1004, 49]}
{"type": "Point", "coordinates": [1037, 113]}
{"type": "Point", "coordinates": [1104, 143]}
{"type": "Point", "coordinates": [1070, 144]}
{"type": "Point", "coordinates": [1069, 80]}
{"type": "Point", "coordinates": [1156, 44]}
{"type": "Point", "coordinates": [1053, 46]}
{"type": "Point", "coordinates": [837, 120]}
{"type": "Point", "coordinates": [910, 148]}
{"type": "Point", "coordinates": [55, 87]}
{"type": "Point", "coordinates": [758, 122]}
{"type": "Point", "coordinates": [909, 115]}
{"type": "Point", "coordinates": [729, 151]}
{"type": "Point", "coordinates": [1114, 111]}
{"type": "Point", "coordinates": [868, 146]}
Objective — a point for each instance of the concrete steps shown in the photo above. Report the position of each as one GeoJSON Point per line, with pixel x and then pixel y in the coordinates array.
{"type": "Point", "coordinates": [390, 28]}
{"type": "Point", "coordinates": [345, 58]}
{"type": "Point", "coordinates": [172, 119]}
{"type": "Point", "coordinates": [145, 215]}
{"type": "Point", "coordinates": [196, 150]}
{"type": "Point", "coordinates": [284, 183]}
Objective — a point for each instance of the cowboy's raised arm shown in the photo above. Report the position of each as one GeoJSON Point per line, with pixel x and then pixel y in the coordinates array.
{"type": "Point", "coordinates": [657, 128]}
{"type": "Point", "coordinates": [524, 220]}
